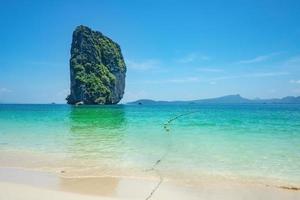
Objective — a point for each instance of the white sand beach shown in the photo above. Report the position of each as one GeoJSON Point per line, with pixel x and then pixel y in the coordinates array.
{"type": "Point", "coordinates": [20, 184]}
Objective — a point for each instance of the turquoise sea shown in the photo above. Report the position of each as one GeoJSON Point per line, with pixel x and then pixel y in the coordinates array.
{"type": "Point", "coordinates": [257, 142]}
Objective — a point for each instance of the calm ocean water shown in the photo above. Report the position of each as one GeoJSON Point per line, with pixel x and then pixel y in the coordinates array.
{"type": "Point", "coordinates": [259, 142]}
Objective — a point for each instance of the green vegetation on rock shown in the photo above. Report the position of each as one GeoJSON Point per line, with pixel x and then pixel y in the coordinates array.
{"type": "Point", "coordinates": [97, 68]}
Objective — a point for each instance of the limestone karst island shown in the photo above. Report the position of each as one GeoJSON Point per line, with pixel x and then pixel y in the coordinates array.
{"type": "Point", "coordinates": [97, 69]}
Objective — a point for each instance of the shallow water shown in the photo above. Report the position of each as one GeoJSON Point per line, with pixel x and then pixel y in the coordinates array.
{"type": "Point", "coordinates": [247, 142]}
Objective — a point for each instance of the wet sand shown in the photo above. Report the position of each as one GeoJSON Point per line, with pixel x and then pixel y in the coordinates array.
{"type": "Point", "coordinates": [23, 184]}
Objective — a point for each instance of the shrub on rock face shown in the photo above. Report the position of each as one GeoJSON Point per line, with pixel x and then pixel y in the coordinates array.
{"type": "Point", "coordinates": [97, 68]}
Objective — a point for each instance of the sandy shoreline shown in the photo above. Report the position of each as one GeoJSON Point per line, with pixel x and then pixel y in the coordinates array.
{"type": "Point", "coordinates": [27, 184]}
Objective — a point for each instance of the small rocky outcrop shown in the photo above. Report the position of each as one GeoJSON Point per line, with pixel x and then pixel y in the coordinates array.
{"type": "Point", "coordinates": [97, 69]}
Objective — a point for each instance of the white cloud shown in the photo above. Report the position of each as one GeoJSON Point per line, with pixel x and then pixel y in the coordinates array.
{"type": "Point", "coordinates": [212, 81]}
{"type": "Point", "coordinates": [254, 75]}
{"type": "Point", "coordinates": [295, 81]}
{"type": "Point", "coordinates": [258, 59]}
{"type": "Point", "coordinates": [143, 65]}
{"type": "Point", "coordinates": [192, 57]}
{"type": "Point", "coordinates": [253, 60]}
{"type": "Point", "coordinates": [266, 74]}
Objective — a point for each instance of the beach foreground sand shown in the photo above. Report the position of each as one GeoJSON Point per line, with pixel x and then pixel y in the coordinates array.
{"type": "Point", "coordinates": [19, 184]}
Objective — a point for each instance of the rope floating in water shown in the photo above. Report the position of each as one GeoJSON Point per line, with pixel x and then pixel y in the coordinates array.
{"type": "Point", "coordinates": [153, 168]}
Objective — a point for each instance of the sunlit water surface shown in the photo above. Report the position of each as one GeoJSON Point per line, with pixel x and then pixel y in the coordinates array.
{"type": "Point", "coordinates": [247, 142]}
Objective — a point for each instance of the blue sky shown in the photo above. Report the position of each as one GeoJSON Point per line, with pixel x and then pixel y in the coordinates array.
{"type": "Point", "coordinates": [173, 49]}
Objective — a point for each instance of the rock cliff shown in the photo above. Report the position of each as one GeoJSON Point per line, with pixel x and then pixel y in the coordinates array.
{"type": "Point", "coordinates": [97, 69]}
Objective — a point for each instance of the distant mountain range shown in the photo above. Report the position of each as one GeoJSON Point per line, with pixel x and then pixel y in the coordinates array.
{"type": "Point", "coordinates": [229, 99]}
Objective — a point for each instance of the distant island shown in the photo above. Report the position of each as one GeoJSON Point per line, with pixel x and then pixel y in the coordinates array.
{"type": "Point", "coordinates": [229, 99]}
{"type": "Point", "coordinates": [97, 69]}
